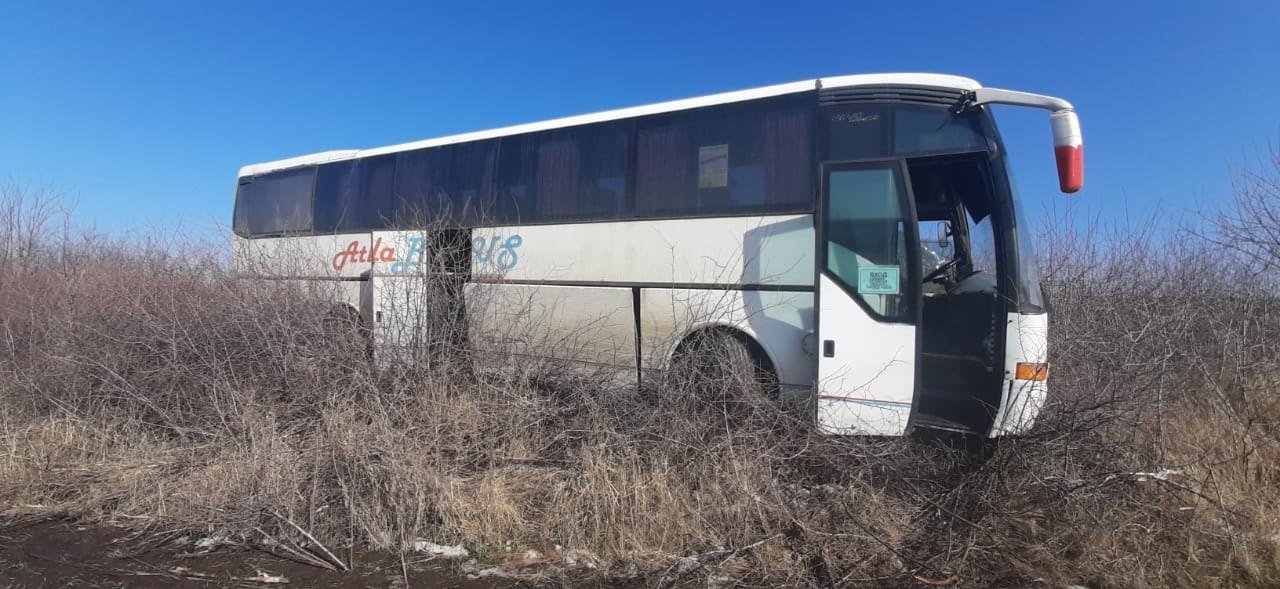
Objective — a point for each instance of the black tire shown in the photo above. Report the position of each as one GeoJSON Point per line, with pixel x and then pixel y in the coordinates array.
{"type": "Point", "coordinates": [717, 372]}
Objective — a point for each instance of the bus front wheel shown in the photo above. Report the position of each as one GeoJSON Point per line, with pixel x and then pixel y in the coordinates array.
{"type": "Point", "coordinates": [721, 372]}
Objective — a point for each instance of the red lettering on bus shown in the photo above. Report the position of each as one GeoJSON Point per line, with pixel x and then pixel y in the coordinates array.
{"type": "Point", "coordinates": [354, 252]}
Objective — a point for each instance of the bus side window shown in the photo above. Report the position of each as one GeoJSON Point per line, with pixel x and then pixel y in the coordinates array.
{"type": "Point", "coordinates": [372, 209]}
{"type": "Point", "coordinates": [666, 165]}
{"type": "Point", "coordinates": [469, 181]}
{"type": "Point", "coordinates": [335, 196]}
{"type": "Point", "coordinates": [278, 203]}
{"type": "Point", "coordinates": [421, 197]}
{"type": "Point", "coordinates": [602, 186]}
{"type": "Point", "coordinates": [515, 183]}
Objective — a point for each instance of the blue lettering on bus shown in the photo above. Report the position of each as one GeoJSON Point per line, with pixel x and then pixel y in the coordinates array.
{"type": "Point", "coordinates": [411, 259]}
{"type": "Point", "coordinates": [501, 253]}
{"type": "Point", "coordinates": [496, 250]}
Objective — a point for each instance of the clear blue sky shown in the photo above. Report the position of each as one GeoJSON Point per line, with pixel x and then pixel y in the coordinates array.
{"type": "Point", "coordinates": [144, 111]}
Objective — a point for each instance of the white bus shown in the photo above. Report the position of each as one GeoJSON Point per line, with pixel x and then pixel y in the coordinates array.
{"type": "Point", "coordinates": [858, 236]}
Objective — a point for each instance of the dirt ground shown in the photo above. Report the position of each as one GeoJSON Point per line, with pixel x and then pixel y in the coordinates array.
{"type": "Point", "coordinates": [57, 553]}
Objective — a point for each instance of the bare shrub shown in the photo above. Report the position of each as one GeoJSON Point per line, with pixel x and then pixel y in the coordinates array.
{"type": "Point", "coordinates": [156, 390]}
{"type": "Point", "coordinates": [1251, 226]}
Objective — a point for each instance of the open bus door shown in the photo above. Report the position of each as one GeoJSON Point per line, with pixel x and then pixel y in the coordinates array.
{"type": "Point", "coordinates": [868, 299]}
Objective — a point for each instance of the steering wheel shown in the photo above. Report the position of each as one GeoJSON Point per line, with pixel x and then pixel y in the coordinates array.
{"type": "Point", "coordinates": [940, 270]}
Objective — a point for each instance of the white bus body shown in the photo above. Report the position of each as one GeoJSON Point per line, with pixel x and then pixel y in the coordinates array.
{"type": "Point", "coordinates": [791, 215]}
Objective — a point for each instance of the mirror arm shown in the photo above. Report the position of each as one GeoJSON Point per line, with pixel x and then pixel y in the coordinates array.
{"type": "Point", "coordinates": [981, 96]}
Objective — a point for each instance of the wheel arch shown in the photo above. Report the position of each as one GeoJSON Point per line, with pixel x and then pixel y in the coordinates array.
{"type": "Point", "coordinates": [759, 353]}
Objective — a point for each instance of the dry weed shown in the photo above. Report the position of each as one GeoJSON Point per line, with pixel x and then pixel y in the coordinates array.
{"type": "Point", "coordinates": [151, 390]}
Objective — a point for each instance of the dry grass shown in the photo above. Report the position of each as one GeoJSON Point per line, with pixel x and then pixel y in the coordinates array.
{"type": "Point", "coordinates": [156, 391]}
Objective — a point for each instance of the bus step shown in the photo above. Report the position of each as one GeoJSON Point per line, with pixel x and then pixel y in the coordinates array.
{"type": "Point", "coordinates": [938, 423]}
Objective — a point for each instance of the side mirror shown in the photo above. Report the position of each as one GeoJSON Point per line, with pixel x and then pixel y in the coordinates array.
{"type": "Point", "coordinates": [1068, 145]}
{"type": "Point", "coordinates": [1068, 150]}
{"type": "Point", "coordinates": [944, 234]}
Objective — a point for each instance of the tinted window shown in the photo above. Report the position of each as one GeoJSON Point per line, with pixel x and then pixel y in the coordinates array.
{"type": "Point", "coordinates": [421, 190]}
{"type": "Point", "coordinates": [354, 196]}
{"type": "Point", "coordinates": [470, 175]}
{"type": "Point", "coordinates": [666, 164]}
{"type": "Point", "coordinates": [559, 172]}
{"type": "Point", "coordinates": [577, 173]}
{"type": "Point", "coordinates": [375, 192]}
{"type": "Point", "coordinates": [766, 155]}
{"type": "Point", "coordinates": [602, 189]}
{"type": "Point", "coordinates": [864, 131]}
{"type": "Point", "coordinates": [856, 131]}
{"type": "Point", "coordinates": [730, 160]}
{"type": "Point", "coordinates": [240, 214]}
{"type": "Point", "coordinates": [928, 130]}
{"type": "Point", "coordinates": [448, 183]}
{"type": "Point", "coordinates": [515, 185]}
{"type": "Point", "coordinates": [727, 159]}
{"type": "Point", "coordinates": [336, 196]}
{"type": "Point", "coordinates": [735, 158]}
{"type": "Point", "coordinates": [276, 203]}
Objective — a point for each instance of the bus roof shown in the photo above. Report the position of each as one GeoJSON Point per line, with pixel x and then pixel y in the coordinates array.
{"type": "Point", "coordinates": [902, 79]}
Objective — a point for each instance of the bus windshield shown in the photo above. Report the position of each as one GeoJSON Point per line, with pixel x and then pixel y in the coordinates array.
{"type": "Point", "coordinates": [1029, 294]}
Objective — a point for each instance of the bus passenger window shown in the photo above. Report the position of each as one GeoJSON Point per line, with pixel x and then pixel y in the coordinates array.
{"type": "Point", "coordinates": [275, 204]}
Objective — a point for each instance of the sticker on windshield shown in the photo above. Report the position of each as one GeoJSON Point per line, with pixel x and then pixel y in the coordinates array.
{"type": "Point", "coordinates": [882, 280]}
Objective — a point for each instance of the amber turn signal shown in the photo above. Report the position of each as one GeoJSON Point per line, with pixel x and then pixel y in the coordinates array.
{"type": "Point", "coordinates": [1037, 371]}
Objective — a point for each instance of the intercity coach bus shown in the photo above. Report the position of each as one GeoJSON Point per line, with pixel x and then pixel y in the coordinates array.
{"type": "Point", "coordinates": [859, 238]}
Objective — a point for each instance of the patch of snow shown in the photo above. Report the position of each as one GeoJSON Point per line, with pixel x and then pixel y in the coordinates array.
{"type": "Point", "coordinates": [575, 557]}
{"type": "Point", "coordinates": [265, 578]}
{"type": "Point", "coordinates": [532, 554]}
{"type": "Point", "coordinates": [455, 551]}
{"type": "Point", "coordinates": [489, 572]}
{"type": "Point", "coordinates": [214, 541]}
{"type": "Point", "coordinates": [1160, 475]}
{"type": "Point", "coordinates": [1163, 474]}
{"type": "Point", "coordinates": [685, 564]}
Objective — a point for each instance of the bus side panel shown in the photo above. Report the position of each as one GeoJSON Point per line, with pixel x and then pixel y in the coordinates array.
{"type": "Point", "coordinates": [314, 256]}
{"type": "Point", "coordinates": [323, 263]}
{"type": "Point", "coordinates": [780, 322]}
{"type": "Point", "coordinates": [590, 325]}
{"type": "Point", "coordinates": [773, 250]}
{"type": "Point", "coordinates": [754, 273]}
